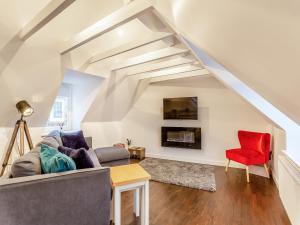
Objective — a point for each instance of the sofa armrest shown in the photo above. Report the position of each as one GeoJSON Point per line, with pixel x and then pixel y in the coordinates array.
{"type": "Point", "coordinates": [75, 197]}
{"type": "Point", "coordinates": [108, 154]}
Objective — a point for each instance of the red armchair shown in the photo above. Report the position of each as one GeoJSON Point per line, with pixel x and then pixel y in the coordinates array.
{"type": "Point", "coordinates": [255, 150]}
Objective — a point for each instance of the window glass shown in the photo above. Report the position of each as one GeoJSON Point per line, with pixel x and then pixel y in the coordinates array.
{"type": "Point", "coordinates": [61, 112]}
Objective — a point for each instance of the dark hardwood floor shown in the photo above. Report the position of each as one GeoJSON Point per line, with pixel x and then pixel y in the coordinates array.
{"type": "Point", "coordinates": [234, 203]}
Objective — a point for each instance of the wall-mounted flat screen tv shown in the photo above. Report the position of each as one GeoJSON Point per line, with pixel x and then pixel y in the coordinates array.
{"type": "Point", "coordinates": [185, 108]}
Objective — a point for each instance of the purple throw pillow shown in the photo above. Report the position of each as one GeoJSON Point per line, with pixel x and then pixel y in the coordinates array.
{"type": "Point", "coordinates": [80, 157]}
{"type": "Point", "coordinates": [74, 140]}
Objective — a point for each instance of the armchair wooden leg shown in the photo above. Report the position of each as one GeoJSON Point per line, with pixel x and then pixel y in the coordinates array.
{"type": "Point", "coordinates": [226, 169]}
{"type": "Point", "coordinates": [267, 170]}
{"type": "Point", "coordinates": [247, 174]}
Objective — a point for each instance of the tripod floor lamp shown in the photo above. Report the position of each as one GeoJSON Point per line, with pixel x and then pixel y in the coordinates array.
{"type": "Point", "coordinates": [25, 110]}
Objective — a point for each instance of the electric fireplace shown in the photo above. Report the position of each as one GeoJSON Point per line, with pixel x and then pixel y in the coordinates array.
{"type": "Point", "coordinates": [181, 137]}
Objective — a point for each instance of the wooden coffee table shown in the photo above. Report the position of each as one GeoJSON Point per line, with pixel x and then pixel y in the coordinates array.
{"type": "Point", "coordinates": [130, 177]}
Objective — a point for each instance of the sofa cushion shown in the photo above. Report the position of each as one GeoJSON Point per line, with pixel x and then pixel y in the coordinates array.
{"type": "Point", "coordinates": [80, 157]}
{"type": "Point", "coordinates": [74, 140]}
{"type": "Point", "coordinates": [53, 161]}
{"type": "Point", "coordinates": [107, 154]}
{"type": "Point", "coordinates": [120, 162]}
{"type": "Point", "coordinates": [245, 156]}
{"type": "Point", "coordinates": [50, 141]}
{"type": "Point", "coordinates": [28, 164]}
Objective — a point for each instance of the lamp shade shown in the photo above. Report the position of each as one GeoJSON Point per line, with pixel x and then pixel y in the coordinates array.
{"type": "Point", "coordinates": [24, 108]}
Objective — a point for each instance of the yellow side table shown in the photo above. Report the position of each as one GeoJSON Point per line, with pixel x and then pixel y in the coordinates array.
{"type": "Point", "coordinates": [130, 177]}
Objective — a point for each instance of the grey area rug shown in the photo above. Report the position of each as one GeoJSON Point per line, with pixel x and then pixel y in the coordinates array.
{"type": "Point", "coordinates": [186, 174]}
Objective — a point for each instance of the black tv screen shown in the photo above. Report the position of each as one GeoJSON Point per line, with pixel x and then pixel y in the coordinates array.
{"type": "Point", "coordinates": [185, 108]}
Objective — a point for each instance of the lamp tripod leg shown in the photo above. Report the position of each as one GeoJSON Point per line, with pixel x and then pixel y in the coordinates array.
{"type": "Point", "coordinates": [22, 133]}
{"type": "Point", "coordinates": [10, 147]}
{"type": "Point", "coordinates": [28, 137]}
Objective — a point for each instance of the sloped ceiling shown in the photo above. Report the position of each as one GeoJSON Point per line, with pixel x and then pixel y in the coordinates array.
{"type": "Point", "coordinates": [256, 40]}
{"type": "Point", "coordinates": [31, 70]}
{"type": "Point", "coordinates": [193, 82]}
{"type": "Point", "coordinates": [15, 14]}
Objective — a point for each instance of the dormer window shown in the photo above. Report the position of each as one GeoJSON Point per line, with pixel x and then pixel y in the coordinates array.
{"type": "Point", "coordinates": [61, 112]}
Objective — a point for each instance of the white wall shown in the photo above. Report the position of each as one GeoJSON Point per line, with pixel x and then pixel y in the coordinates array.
{"type": "Point", "coordinates": [84, 90]}
{"type": "Point", "coordinates": [221, 115]}
{"type": "Point", "coordinates": [5, 136]}
{"type": "Point", "coordinates": [278, 145]}
{"type": "Point", "coordinates": [291, 128]}
{"type": "Point", "coordinates": [103, 133]}
{"type": "Point", "coordinates": [289, 187]}
{"type": "Point", "coordinates": [117, 95]}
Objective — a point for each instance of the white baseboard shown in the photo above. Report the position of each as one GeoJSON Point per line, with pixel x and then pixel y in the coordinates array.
{"type": "Point", "coordinates": [187, 159]}
{"type": "Point", "coordinates": [275, 181]}
{"type": "Point", "coordinates": [291, 167]}
{"type": "Point", "coordinates": [289, 186]}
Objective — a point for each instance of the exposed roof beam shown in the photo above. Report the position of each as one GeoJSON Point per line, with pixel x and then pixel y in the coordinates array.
{"type": "Point", "coordinates": [162, 65]}
{"type": "Point", "coordinates": [49, 12]}
{"type": "Point", "coordinates": [172, 71]}
{"type": "Point", "coordinates": [130, 46]}
{"type": "Point", "coordinates": [148, 57]}
{"type": "Point", "coordinates": [112, 21]}
{"type": "Point", "coordinates": [180, 75]}
{"type": "Point", "coordinates": [153, 22]}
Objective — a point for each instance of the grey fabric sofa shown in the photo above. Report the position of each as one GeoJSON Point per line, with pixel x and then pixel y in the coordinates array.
{"type": "Point", "coordinates": [80, 197]}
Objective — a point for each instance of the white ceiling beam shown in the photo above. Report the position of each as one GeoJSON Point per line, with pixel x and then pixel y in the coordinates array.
{"type": "Point", "coordinates": [49, 12]}
{"type": "Point", "coordinates": [154, 23]}
{"type": "Point", "coordinates": [148, 57]}
{"type": "Point", "coordinates": [161, 65]}
{"type": "Point", "coordinates": [131, 46]}
{"type": "Point", "coordinates": [112, 21]}
{"type": "Point", "coordinates": [180, 75]}
{"type": "Point", "coordinates": [171, 71]}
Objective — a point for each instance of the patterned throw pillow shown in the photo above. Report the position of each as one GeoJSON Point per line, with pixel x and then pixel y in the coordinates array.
{"type": "Point", "coordinates": [52, 161]}
{"type": "Point", "coordinates": [80, 157]}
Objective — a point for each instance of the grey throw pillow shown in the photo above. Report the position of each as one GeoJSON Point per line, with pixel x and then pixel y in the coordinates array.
{"type": "Point", "coordinates": [56, 135]}
{"type": "Point", "coordinates": [50, 141]}
{"type": "Point", "coordinates": [28, 164]}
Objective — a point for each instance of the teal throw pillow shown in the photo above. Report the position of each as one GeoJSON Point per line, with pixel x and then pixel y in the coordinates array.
{"type": "Point", "coordinates": [53, 161]}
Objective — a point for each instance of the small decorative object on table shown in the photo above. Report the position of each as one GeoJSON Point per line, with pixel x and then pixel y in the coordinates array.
{"type": "Point", "coordinates": [119, 145]}
{"type": "Point", "coordinates": [137, 152]}
{"type": "Point", "coordinates": [129, 141]}
{"type": "Point", "coordinates": [61, 126]}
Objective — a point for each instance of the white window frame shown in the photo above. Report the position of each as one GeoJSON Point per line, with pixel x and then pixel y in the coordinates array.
{"type": "Point", "coordinates": [64, 96]}
{"type": "Point", "coordinates": [64, 101]}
